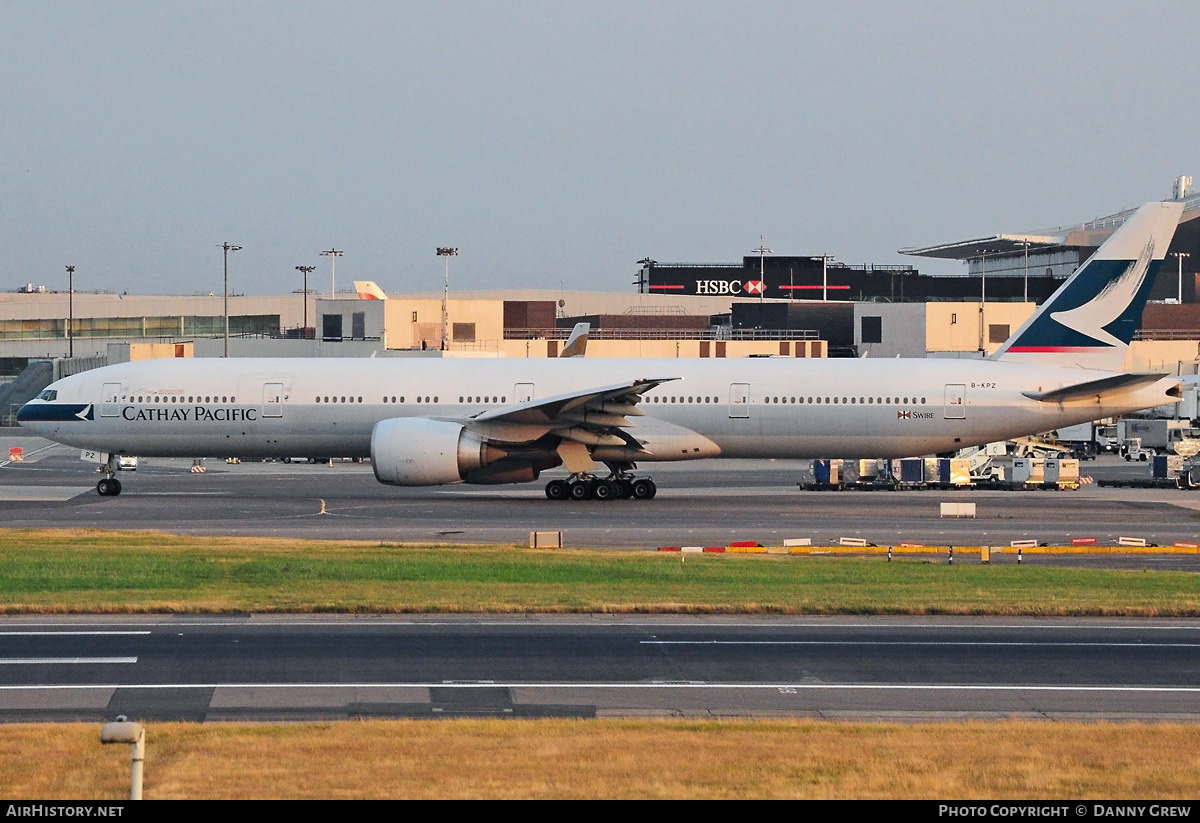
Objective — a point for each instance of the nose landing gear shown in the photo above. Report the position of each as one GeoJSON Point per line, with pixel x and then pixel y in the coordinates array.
{"type": "Point", "coordinates": [109, 485]}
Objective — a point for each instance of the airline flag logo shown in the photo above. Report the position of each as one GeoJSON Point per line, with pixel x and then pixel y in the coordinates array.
{"type": "Point", "coordinates": [755, 287]}
{"type": "Point", "coordinates": [1092, 318]}
{"type": "Point", "coordinates": [904, 415]}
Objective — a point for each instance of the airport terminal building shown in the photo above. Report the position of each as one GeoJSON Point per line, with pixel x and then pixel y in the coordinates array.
{"type": "Point", "coordinates": [796, 306]}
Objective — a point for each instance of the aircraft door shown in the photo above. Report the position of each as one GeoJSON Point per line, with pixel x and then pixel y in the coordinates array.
{"type": "Point", "coordinates": [272, 400]}
{"type": "Point", "coordinates": [956, 401]}
{"type": "Point", "coordinates": [739, 399]}
{"type": "Point", "coordinates": [523, 392]}
{"type": "Point", "coordinates": [110, 398]}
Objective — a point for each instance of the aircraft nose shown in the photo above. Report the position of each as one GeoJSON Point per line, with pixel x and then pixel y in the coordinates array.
{"type": "Point", "coordinates": [34, 414]}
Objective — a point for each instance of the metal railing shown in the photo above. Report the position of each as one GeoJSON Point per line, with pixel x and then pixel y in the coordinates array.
{"type": "Point", "coordinates": [1166, 334]}
{"type": "Point", "coordinates": [717, 333]}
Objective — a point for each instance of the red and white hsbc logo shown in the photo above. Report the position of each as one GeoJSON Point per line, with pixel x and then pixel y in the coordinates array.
{"type": "Point", "coordinates": [730, 287]}
{"type": "Point", "coordinates": [718, 287]}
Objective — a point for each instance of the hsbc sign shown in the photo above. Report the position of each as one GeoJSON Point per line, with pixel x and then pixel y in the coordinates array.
{"type": "Point", "coordinates": [729, 287]}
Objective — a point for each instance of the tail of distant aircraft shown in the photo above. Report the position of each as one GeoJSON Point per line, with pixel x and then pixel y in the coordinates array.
{"type": "Point", "coordinates": [577, 343]}
{"type": "Point", "coordinates": [1090, 320]}
{"type": "Point", "coordinates": [367, 290]}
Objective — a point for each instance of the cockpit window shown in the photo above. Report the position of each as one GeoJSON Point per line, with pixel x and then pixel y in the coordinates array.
{"type": "Point", "coordinates": [49, 394]}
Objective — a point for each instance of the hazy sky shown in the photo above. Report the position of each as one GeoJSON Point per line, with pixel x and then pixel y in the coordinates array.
{"type": "Point", "coordinates": [561, 142]}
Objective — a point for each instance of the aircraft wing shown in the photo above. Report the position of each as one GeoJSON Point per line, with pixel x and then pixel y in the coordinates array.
{"type": "Point", "coordinates": [1091, 388]}
{"type": "Point", "coordinates": [594, 417]}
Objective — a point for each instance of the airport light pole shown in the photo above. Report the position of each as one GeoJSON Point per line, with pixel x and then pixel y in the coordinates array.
{"type": "Point", "coordinates": [1025, 243]}
{"type": "Point", "coordinates": [333, 255]}
{"type": "Point", "coordinates": [227, 247]}
{"type": "Point", "coordinates": [70, 311]}
{"type": "Point", "coordinates": [1179, 255]}
{"type": "Point", "coordinates": [982, 296]}
{"type": "Point", "coordinates": [446, 252]}
{"type": "Point", "coordinates": [306, 271]}
{"type": "Point", "coordinates": [762, 251]}
{"type": "Point", "coordinates": [824, 258]}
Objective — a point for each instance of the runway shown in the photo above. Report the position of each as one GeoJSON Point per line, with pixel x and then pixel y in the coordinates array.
{"type": "Point", "coordinates": [279, 668]}
{"type": "Point", "coordinates": [704, 503]}
{"type": "Point", "coordinates": [288, 668]}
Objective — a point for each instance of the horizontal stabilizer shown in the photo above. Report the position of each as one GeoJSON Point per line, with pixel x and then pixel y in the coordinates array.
{"type": "Point", "coordinates": [1091, 388]}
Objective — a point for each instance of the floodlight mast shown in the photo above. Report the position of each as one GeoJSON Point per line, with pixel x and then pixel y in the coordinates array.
{"type": "Point", "coordinates": [1179, 255]}
{"type": "Point", "coordinates": [228, 247]}
{"type": "Point", "coordinates": [983, 253]}
{"type": "Point", "coordinates": [333, 255]}
{"type": "Point", "coordinates": [306, 271]}
{"type": "Point", "coordinates": [446, 252]}
{"type": "Point", "coordinates": [762, 252]}
{"type": "Point", "coordinates": [70, 311]}
{"type": "Point", "coordinates": [824, 258]}
{"type": "Point", "coordinates": [1025, 243]}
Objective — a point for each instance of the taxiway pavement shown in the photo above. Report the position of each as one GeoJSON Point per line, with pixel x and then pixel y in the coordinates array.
{"type": "Point", "coordinates": [705, 503]}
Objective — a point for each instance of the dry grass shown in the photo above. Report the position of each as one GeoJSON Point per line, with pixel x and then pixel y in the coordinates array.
{"type": "Point", "coordinates": [612, 759]}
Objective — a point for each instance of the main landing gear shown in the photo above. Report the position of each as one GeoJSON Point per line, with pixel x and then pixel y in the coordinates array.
{"type": "Point", "coordinates": [586, 487]}
{"type": "Point", "coordinates": [109, 485]}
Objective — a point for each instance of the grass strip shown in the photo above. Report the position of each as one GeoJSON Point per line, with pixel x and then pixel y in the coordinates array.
{"type": "Point", "coordinates": [127, 572]}
{"type": "Point", "coordinates": [608, 758]}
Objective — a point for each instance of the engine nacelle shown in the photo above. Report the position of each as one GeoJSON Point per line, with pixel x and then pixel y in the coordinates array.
{"type": "Point", "coordinates": [417, 451]}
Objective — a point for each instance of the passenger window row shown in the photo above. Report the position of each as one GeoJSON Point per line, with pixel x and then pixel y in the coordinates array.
{"type": "Point", "coordinates": [849, 401]}
{"type": "Point", "coordinates": [173, 398]}
{"type": "Point", "coordinates": [682, 399]}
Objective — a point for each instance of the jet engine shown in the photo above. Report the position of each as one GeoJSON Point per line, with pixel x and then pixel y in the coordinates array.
{"type": "Point", "coordinates": [417, 451]}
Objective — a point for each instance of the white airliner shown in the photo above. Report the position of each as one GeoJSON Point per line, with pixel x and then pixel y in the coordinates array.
{"type": "Point", "coordinates": [439, 421]}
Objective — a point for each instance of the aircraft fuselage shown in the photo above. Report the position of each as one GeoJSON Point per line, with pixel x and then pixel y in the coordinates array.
{"type": "Point", "coordinates": [744, 408]}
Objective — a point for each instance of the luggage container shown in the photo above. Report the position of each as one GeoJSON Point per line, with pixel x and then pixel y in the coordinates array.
{"type": "Point", "coordinates": [1029, 470]}
{"type": "Point", "coordinates": [960, 471]}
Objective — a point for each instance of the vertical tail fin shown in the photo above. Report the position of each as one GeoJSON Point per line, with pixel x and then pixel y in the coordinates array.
{"type": "Point", "coordinates": [368, 290]}
{"type": "Point", "coordinates": [577, 342]}
{"type": "Point", "coordinates": [1090, 320]}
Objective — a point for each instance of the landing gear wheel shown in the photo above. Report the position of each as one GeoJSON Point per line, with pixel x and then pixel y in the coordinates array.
{"type": "Point", "coordinates": [558, 490]}
{"type": "Point", "coordinates": [581, 490]}
{"type": "Point", "coordinates": [626, 488]}
{"type": "Point", "coordinates": [108, 487]}
{"type": "Point", "coordinates": [606, 490]}
{"type": "Point", "coordinates": [644, 489]}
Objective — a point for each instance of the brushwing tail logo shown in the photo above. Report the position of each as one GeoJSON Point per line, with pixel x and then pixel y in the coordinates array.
{"type": "Point", "coordinates": [1091, 318]}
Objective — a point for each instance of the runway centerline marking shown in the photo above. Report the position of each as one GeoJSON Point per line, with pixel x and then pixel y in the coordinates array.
{"type": "Point", "coordinates": [985, 687]}
{"type": "Point", "coordinates": [68, 633]}
{"type": "Point", "coordinates": [1034, 643]}
{"type": "Point", "coordinates": [18, 661]}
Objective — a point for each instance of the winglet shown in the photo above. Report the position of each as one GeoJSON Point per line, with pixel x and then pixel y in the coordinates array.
{"type": "Point", "coordinates": [577, 342]}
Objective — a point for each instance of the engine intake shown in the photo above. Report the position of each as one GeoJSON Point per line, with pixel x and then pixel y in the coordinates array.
{"type": "Point", "coordinates": [417, 451]}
